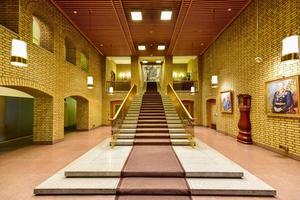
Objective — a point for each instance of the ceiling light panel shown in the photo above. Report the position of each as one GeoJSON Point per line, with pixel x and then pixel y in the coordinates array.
{"type": "Point", "coordinates": [141, 47]}
{"type": "Point", "coordinates": [136, 15]}
{"type": "Point", "coordinates": [166, 15]}
{"type": "Point", "coordinates": [161, 47]}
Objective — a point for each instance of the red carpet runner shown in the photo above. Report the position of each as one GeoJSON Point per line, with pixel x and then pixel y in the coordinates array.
{"type": "Point", "coordinates": [152, 170]}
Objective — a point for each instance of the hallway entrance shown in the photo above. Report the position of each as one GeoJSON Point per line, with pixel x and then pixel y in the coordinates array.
{"type": "Point", "coordinates": [211, 113]}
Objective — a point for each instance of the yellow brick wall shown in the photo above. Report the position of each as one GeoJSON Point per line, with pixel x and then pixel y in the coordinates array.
{"type": "Point", "coordinates": [231, 57]}
{"type": "Point", "coordinates": [49, 77]}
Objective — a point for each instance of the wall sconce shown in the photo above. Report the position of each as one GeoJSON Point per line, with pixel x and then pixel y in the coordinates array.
{"type": "Point", "coordinates": [174, 75]}
{"type": "Point", "coordinates": [18, 53]}
{"type": "Point", "coordinates": [90, 82]}
{"type": "Point", "coordinates": [110, 90]}
{"type": "Point", "coordinates": [192, 89]}
{"type": "Point", "coordinates": [290, 48]}
{"type": "Point", "coordinates": [214, 81]}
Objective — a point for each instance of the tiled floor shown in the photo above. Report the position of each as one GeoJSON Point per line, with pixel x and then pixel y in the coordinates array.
{"type": "Point", "coordinates": [23, 169]}
{"type": "Point", "coordinates": [280, 172]}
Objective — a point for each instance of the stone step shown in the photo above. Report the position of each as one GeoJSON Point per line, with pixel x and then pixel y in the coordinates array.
{"type": "Point", "coordinates": [128, 126]}
{"type": "Point", "coordinates": [130, 121]}
{"type": "Point", "coordinates": [172, 118]}
{"type": "Point", "coordinates": [130, 142]}
{"type": "Point", "coordinates": [131, 118]}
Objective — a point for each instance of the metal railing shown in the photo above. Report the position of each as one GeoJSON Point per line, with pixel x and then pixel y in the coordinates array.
{"type": "Point", "coordinates": [118, 86]}
{"type": "Point", "coordinates": [118, 118]}
{"type": "Point", "coordinates": [185, 86]}
{"type": "Point", "coordinates": [185, 116]}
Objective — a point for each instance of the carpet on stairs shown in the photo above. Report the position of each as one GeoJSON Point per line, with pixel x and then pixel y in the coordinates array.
{"type": "Point", "coordinates": [152, 169]}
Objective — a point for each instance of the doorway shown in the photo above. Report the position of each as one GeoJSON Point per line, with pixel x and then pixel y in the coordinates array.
{"type": "Point", "coordinates": [211, 108]}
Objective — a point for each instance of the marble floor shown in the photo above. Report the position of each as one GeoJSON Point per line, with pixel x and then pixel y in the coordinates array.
{"type": "Point", "coordinates": [23, 169]}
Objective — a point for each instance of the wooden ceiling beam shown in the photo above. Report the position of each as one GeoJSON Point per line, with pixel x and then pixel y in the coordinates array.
{"type": "Point", "coordinates": [183, 13]}
{"type": "Point", "coordinates": [119, 11]}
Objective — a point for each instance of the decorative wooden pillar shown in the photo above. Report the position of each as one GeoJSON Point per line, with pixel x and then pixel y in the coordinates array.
{"type": "Point", "coordinates": [244, 125]}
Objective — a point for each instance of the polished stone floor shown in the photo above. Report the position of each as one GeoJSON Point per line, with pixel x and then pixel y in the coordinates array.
{"type": "Point", "coordinates": [23, 169]}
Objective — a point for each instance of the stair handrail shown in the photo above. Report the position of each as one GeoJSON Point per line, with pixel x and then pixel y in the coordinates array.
{"type": "Point", "coordinates": [118, 118]}
{"type": "Point", "coordinates": [183, 113]}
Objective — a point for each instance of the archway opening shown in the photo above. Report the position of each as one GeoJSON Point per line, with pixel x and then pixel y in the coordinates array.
{"type": "Point", "coordinates": [25, 116]}
{"type": "Point", "coordinates": [76, 114]}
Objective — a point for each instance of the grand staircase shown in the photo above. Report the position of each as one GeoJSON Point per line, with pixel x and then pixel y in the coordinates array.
{"type": "Point", "coordinates": [152, 120]}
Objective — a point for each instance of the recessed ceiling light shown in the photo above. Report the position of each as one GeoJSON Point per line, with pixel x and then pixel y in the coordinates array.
{"type": "Point", "coordinates": [161, 47]}
{"type": "Point", "coordinates": [75, 11]}
{"type": "Point", "coordinates": [202, 44]}
{"type": "Point", "coordinates": [101, 45]}
{"type": "Point", "coordinates": [229, 9]}
{"type": "Point", "coordinates": [166, 15]}
{"type": "Point", "coordinates": [158, 61]}
{"type": "Point", "coordinates": [141, 47]}
{"type": "Point", "coordinates": [136, 15]}
{"type": "Point", "coordinates": [145, 61]}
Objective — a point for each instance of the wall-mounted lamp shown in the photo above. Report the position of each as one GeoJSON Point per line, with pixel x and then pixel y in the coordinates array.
{"type": "Point", "coordinates": [192, 89]}
{"type": "Point", "coordinates": [18, 53]}
{"type": "Point", "coordinates": [214, 81]}
{"type": "Point", "coordinates": [290, 48]}
{"type": "Point", "coordinates": [90, 82]}
{"type": "Point", "coordinates": [110, 90]}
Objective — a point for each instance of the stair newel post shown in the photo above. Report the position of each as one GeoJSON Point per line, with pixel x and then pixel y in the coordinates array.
{"type": "Point", "coordinates": [244, 125]}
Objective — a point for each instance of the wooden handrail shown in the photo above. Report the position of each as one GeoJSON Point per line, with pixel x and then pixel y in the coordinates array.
{"type": "Point", "coordinates": [131, 92]}
{"type": "Point", "coordinates": [171, 89]}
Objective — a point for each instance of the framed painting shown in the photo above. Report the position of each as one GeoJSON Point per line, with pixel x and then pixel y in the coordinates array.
{"type": "Point", "coordinates": [226, 101]}
{"type": "Point", "coordinates": [282, 97]}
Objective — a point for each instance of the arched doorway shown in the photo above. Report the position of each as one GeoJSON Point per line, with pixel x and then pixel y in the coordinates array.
{"type": "Point", "coordinates": [76, 113]}
{"type": "Point", "coordinates": [211, 113]}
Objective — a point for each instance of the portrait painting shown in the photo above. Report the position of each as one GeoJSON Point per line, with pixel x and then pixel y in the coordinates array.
{"type": "Point", "coordinates": [226, 102]}
{"type": "Point", "coordinates": [282, 97]}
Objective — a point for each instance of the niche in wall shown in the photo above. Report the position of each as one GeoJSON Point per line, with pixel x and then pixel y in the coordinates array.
{"type": "Point", "coordinates": [70, 51]}
{"type": "Point", "coordinates": [42, 34]}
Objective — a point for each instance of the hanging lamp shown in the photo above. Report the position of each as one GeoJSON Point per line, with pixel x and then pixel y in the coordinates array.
{"type": "Point", "coordinates": [290, 48]}
{"type": "Point", "coordinates": [18, 53]}
{"type": "Point", "coordinates": [291, 43]}
{"type": "Point", "coordinates": [257, 59]}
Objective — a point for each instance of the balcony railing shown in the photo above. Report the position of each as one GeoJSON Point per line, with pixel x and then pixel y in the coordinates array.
{"type": "Point", "coordinates": [185, 86]}
{"type": "Point", "coordinates": [118, 86]}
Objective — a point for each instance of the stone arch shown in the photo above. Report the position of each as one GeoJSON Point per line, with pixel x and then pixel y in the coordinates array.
{"type": "Point", "coordinates": [82, 111]}
{"type": "Point", "coordinates": [43, 108]}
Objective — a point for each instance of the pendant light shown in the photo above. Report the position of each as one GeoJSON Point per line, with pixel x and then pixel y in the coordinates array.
{"type": "Point", "coordinates": [214, 78]}
{"type": "Point", "coordinates": [18, 53]}
{"type": "Point", "coordinates": [257, 59]}
{"type": "Point", "coordinates": [290, 44]}
{"type": "Point", "coordinates": [290, 48]}
{"type": "Point", "coordinates": [90, 82]}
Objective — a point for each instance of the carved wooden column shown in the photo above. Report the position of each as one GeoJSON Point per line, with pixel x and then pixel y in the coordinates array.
{"type": "Point", "coordinates": [244, 125]}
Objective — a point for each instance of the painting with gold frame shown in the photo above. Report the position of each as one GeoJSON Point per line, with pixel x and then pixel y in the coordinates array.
{"type": "Point", "coordinates": [282, 97]}
{"type": "Point", "coordinates": [226, 101]}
